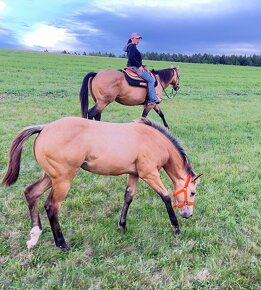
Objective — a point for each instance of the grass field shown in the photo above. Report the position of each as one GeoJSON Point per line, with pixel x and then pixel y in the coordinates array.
{"type": "Point", "coordinates": [216, 116]}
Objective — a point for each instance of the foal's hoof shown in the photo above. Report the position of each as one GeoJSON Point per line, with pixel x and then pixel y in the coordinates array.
{"type": "Point", "coordinates": [64, 248]}
{"type": "Point", "coordinates": [122, 227]}
{"type": "Point", "coordinates": [176, 231]}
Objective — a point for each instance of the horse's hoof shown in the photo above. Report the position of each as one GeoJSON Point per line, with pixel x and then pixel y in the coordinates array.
{"type": "Point", "coordinates": [176, 231]}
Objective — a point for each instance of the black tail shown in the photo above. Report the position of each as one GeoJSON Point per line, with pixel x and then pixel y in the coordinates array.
{"type": "Point", "coordinates": [13, 169]}
{"type": "Point", "coordinates": [84, 94]}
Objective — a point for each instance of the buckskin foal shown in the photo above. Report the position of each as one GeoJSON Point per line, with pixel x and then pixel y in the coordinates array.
{"type": "Point", "coordinates": [139, 149]}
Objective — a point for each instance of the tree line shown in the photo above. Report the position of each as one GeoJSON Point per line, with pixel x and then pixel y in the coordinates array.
{"type": "Point", "coordinates": [254, 60]}
{"type": "Point", "coordinates": [243, 60]}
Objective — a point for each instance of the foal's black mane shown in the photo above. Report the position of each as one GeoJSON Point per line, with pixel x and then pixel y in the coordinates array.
{"type": "Point", "coordinates": [188, 166]}
{"type": "Point", "coordinates": [165, 75]}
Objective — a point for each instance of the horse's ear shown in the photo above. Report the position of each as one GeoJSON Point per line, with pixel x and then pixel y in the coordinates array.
{"type": "Point", "coordinates": [178, 69]}
{"type": "Point", "coordinates": [198, 176]}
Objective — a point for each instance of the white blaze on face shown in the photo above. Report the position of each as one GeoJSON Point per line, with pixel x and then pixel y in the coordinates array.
{"type": "Point", "coordinates": [34, 234]}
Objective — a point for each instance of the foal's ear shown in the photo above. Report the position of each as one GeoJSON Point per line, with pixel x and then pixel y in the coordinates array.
{"type": "Point", "coordinates": [198, 176]}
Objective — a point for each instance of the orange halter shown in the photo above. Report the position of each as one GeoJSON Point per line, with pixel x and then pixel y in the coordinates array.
{"type": "Point", "coordinates": [182, 190]}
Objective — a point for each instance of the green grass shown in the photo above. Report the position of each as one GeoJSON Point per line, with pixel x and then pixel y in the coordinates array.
{"type": "Point", "coordinates": [216, 115]}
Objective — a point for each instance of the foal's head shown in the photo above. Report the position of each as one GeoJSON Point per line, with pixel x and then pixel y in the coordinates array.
{"type": "Point", "coordinates": [184, 197]}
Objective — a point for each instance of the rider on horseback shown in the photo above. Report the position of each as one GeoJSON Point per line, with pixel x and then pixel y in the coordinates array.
{"type": "Point", "coordinates": [135, 62]}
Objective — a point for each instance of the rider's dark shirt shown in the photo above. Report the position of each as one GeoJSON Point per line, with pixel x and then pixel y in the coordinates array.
{"type": "Point", "coordinates": [134, 56]}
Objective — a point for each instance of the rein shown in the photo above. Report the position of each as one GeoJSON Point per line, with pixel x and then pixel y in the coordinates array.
{"type": "Point", "coordinates": [183, 190]}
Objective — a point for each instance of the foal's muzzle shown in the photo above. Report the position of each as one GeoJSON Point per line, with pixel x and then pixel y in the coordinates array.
{"type": "Point", "coordinates": [186, 215]}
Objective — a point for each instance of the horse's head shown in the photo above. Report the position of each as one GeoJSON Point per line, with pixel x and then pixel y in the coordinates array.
{"type": "Point", "coordinates": [184, 197]}
{"type": "Point", "coordinates": [175, 79]}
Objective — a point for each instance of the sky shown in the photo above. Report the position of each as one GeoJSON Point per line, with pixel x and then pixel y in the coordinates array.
{"type": "Point", "coordinates": [167, 26]}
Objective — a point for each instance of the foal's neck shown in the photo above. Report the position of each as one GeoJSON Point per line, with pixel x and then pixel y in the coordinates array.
{"type": "Point", "coordinates": [176, 169]}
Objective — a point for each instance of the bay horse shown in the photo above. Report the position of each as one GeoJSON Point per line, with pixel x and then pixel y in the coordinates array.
{"type": "Point", "coordinates": [139, 149]}
{"type": "Point", "coordinates": [108, 86]}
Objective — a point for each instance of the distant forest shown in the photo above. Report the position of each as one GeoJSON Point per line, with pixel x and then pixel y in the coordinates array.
{"type": "Point", "coordinates": [253, 60]}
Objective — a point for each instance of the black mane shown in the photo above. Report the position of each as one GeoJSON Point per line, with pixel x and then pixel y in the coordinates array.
{"type": "Point", "coordinates": [188, 166]}
{"type": "Point", "coordinates": [165, 75]}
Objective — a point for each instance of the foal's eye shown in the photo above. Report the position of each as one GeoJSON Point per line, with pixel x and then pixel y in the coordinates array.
{"type": "Point", "coordinates": [193, 193]}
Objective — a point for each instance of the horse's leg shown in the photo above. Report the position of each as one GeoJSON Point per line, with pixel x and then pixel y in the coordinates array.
{"type": "Point", "coordinates": [97, 117]}
{"type": "Point", "coordinates": [129, 193]}
{"type": "Point", "coordinates": [146, 109]}
{"type": "Point", "coordinates": [155, 182]}
{"type": "Point", "coordinates": [96, 110]}
{"type": "Point", "coordinates": [92, 112]}
{"type": "Point", "coordinates": [52, 206]}
{"type": "Point", "coordinates": [32, 193]}
{"type": "Point", "coordinates": [159, 112]}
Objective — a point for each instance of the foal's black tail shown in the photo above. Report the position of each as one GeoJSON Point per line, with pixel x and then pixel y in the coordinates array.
{"type": "Point", "coordinates": [84, 93]}
{"type": "Point", "coordinates": [13, 170]}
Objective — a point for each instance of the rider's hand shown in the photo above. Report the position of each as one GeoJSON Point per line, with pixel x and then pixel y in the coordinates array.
{"type": "Point", "coordinates": [141, 68]}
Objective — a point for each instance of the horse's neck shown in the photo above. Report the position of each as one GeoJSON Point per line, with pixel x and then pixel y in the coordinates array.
{"type": "Point", "coordinates": [161, 86]}
{"type": "Point", "coordinates": [159, 89]}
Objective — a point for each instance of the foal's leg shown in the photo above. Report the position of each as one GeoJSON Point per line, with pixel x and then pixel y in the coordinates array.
{"type": "Point", "coordinates": [155, 182]}
{"type": "Point", "coordinates": [159, 112]}
{"type": "Point", "coordinates": [129, 193]}
{"type": "Point", "coordinates": [52, 206]}
{"type": "Point", "coordinates": [32, 193]}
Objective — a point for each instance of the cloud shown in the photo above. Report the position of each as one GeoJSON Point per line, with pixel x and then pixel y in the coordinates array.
{"type": "Point", "coordinates": [240, 48]}
{"type": "Point", "coordinates": [83, 26]}
{"type": "Point", "coordinates": [50, 37]}
{"type": "Point", "coordinates": [2, 6]}
{"type": "Point", "coordinates": [176, 7]}
{"type": "Point", "coordinates": [174, 26]}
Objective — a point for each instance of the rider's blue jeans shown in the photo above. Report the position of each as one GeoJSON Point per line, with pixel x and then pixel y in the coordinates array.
{"type": "Point", "coordinates": [147, 77]}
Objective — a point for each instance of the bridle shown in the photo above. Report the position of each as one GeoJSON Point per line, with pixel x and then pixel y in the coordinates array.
{"type": "Point", "coordinates": [173, 89]}
{"type": "Point", "coordinates": [186, 202]}
{"type": "Point", "coordinates": [177, 87]}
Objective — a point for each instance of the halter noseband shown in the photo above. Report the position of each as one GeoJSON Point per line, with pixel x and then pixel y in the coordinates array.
{"type": "Point", "coordinates": [183, 190]}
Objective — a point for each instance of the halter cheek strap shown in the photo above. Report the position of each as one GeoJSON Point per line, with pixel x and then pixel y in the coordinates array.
{"type": "Point", "coordinates": [186, 202]}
